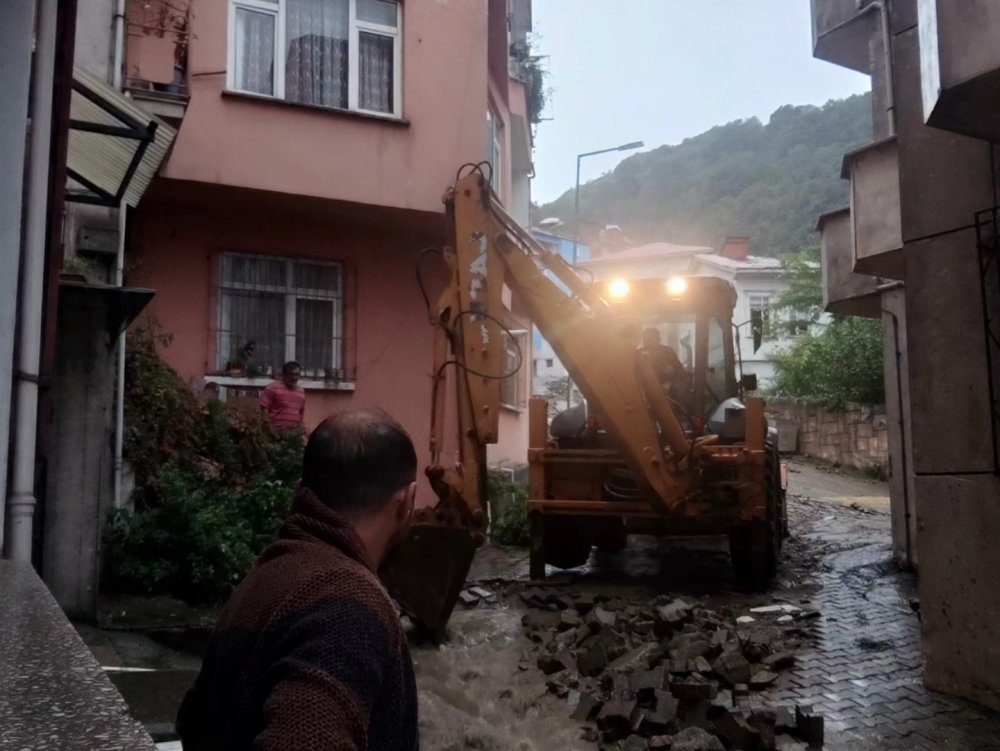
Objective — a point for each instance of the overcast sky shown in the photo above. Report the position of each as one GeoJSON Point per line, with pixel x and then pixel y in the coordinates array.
{"type": "Point", "coordinates": [660, 71]}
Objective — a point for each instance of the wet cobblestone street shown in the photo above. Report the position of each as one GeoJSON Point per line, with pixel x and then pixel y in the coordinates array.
{"type": "Point", "coordinates": [861, 668]}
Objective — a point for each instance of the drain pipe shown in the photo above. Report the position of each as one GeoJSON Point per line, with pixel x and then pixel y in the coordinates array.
{"type": "Point", "coordinates": [117, 60]}
{"type": "Point", "coordinates": [902, 433]}
{"type": "Point", "coordinates": [21, 499]}
{"type": "Point", "coordinates": [882, 6]}
{"type": "Point", "coordinates": [119, 460]}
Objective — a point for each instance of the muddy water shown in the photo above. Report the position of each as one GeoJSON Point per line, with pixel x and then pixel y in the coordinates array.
{"type": "Point", "coordinates": [473, 696]}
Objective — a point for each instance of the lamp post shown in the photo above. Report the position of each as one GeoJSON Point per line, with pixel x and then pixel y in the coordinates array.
{"type": "Point", "coordinates": [576, 193]}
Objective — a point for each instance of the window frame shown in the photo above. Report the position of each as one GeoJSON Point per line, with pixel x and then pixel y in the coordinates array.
{"type": "Point", "coordinates": [494, 149]}
{"type": "Point", "coordinates": [291, 295]}
{"type": "Point", "coordinates": [521, 388]}
{"type": "Point", "coordinates": [356, 27]}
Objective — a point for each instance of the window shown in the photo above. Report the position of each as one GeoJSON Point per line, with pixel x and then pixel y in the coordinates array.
{"type": "Point", "coordinates": [760, 318]}
{"type": "Point", "coordinates": [343, 54]}
{"type": "Point", "coordinates": [272, 310]}
{"type": "Point", "coordinates": [494, 153]}
{"type": "Point", "coordinates": [512, 389]}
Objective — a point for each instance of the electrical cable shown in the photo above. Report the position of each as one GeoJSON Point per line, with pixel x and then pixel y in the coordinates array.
{"type": "Point", "coordinates": [466, 368]}
{"type": "Point", "coordinates": [420, 278]}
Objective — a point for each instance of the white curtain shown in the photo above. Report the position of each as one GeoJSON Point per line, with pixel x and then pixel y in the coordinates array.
{"type": "Point", "coordinates": [316, 62]}
{"type": "Point", "coordinates": [375, 60]}
{"type": "Point", "coordinates": [255, 52]}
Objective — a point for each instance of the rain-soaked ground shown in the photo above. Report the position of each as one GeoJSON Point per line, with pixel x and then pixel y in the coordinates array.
{"type": "Point", "coordinates": [473, 694]}
{"type": "Point", "coordinates": [860, 667]}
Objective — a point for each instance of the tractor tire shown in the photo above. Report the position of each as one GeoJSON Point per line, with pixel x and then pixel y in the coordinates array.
{"type": "Point", "coordinates": [755, 547]}
{"type": "Point", "coordinates": [553, 543]}
{"type": "Point", "coordinates": [752, 549]}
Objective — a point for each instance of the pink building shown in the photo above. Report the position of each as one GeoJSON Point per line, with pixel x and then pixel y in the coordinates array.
{"type": "Point", "coordinates": [316, 138]}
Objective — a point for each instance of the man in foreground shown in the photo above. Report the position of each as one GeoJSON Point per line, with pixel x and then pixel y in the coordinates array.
{"type": "Point", "coordinates": [309, 653]}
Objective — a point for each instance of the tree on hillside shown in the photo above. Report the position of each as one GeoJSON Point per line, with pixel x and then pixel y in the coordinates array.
{"type": "Point", "coordinates": [804, 297]}
{"type": "Point", "coordinates": [768, 182]}
{"type": "Point", "coordinates": [839, 363]}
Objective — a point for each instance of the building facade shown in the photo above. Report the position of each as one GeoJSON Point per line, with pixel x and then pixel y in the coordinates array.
{"type": "Point", "coordinates": [315, 141]}
{"type": "Point", "coordinates": [918, 246]}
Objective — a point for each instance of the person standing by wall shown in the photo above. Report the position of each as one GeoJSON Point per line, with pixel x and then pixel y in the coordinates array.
{"type": "Point", "coordinates": [284, 401]}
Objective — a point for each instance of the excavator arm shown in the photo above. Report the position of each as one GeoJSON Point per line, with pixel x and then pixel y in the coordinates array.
{"type": "Point", "coordinates": [596, 345]}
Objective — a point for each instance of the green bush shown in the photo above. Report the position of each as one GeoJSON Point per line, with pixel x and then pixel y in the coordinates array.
{"type": "Point", "coordinates": [841, 365]}
{"type": "Point", "coordinates": [213, 485]}
{"type": "Point", "coordinates": [510, 503]}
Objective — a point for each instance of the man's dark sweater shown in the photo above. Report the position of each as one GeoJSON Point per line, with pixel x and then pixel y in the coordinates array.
{"type": "Point", "coordinates": [307, 654]}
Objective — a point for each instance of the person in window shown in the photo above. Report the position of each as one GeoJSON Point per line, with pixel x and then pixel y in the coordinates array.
{"type": "Point", "coordinates": [669, 369]}
{"type": "Point", "coordinates": [309, 652]}
{"type": "Point", "coordinates": [284, 401]}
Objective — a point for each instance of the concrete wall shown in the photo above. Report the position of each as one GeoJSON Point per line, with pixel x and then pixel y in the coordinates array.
{"type": "Point", "coordinates": [79, 474]}
{"type": "Point", "coordinates": [958, 521]}
{"type": "Point", "coordinates": [944, 179]}
{"type": "Point", "coordinates": [855, 437]}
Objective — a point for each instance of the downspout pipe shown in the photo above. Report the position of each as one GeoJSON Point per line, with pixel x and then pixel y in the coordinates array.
{"type": "Point", "coordinates": [21, 499]}
{"type": "Point", "coordinates": [902, 436]}
{"type": "Point", "coordinates": [118, 56]}
{"type": "Point", "coordinates": [882, 6]}
{"type": "Point", "coordinates": [119, 459]}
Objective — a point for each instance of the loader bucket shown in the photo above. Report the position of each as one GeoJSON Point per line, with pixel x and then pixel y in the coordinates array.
{"type": "Point", "coordinates": [427, 573]}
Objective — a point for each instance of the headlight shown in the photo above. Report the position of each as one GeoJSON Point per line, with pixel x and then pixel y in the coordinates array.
{"type": "Point", "coordinates": [676, 286]}
{"type": "Point", "coordinates": [618, 288]}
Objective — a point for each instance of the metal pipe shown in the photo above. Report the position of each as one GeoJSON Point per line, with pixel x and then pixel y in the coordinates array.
{"type": "Point", "coordinates": [21, 499]}
{"type": "Point", "coordinates": [882, 6]}
{"type": "Point", "coordinates": [902, 436]}
{"type": "Point", "coordinates": [117, 60]}
{"type": "Point", "coordinates": [119, 460]}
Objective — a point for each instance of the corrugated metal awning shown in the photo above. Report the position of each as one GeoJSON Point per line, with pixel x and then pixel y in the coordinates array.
{"type": "Point", "coordinates": [115, 148]}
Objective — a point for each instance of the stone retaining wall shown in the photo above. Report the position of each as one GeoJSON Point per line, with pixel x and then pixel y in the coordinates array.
{"type": "Point", "coordinates": [853, 437]}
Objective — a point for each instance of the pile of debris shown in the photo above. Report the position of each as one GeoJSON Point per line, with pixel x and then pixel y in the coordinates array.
{"type": "Point", "coordinates": [669, 673]}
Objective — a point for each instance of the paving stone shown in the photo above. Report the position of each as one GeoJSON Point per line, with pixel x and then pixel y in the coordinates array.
{"type": "Point", "coordinates": [732, 666]}
{"type": "Point", "coordinates": [696, 739]}
{"type": "Point", "coordinates": [809, 726]}
{"type": "Point", "coordinates": [592, 661]}
{"type": "Point", "coordinates": [615, 719]}
{"type": "Point", "coordinates": [661, 717]}
{"type": "Point", "coordinates": [635, 743]}
{"type": "Point", "coordinates": [586, 708]}
{"type": "Point", "coordinates": [693, 688]}
{"type": "Point", "coordinates": [736, 732]}
{"type": "Point", "coordinates": [762, 679]}
{"type": "Point", "coordinates": [552, 664]}
{"type": "Point", "coordinates": [779, 660]}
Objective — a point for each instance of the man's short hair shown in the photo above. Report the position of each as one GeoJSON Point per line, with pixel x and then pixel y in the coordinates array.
{"type": "Point", "coordinates": [289, 366]}
{"type": "Point", "coordinates": [356, 460]}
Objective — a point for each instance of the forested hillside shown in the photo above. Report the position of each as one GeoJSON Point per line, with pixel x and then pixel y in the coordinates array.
{"type": "Point", "coordinates": [768, 182]}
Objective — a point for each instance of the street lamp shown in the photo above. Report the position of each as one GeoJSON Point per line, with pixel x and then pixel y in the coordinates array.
{"type": "Point", "coordinates": [576, 193]}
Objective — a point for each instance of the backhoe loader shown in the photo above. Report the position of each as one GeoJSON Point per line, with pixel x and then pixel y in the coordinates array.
{"type": "Point", "coordinates": [663, 441]}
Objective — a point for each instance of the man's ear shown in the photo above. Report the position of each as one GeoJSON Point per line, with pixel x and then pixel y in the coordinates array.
{"type": "Point", "coordinates": [407, 498]}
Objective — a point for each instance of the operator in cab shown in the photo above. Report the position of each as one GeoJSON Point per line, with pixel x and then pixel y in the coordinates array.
{"type": "Point", "coordinates": [669, 369]}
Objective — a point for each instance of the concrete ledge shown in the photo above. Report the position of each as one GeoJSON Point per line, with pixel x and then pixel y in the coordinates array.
{"type": "Point", "coordinates": [53, 694]}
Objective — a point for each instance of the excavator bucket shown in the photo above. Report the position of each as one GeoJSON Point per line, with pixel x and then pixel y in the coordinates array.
{"type": "Point", "coordinates": [427, 573]}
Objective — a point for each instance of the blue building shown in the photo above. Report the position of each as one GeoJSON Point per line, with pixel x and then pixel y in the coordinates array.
{"type": "Point", "coordinates": [545, 365]}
